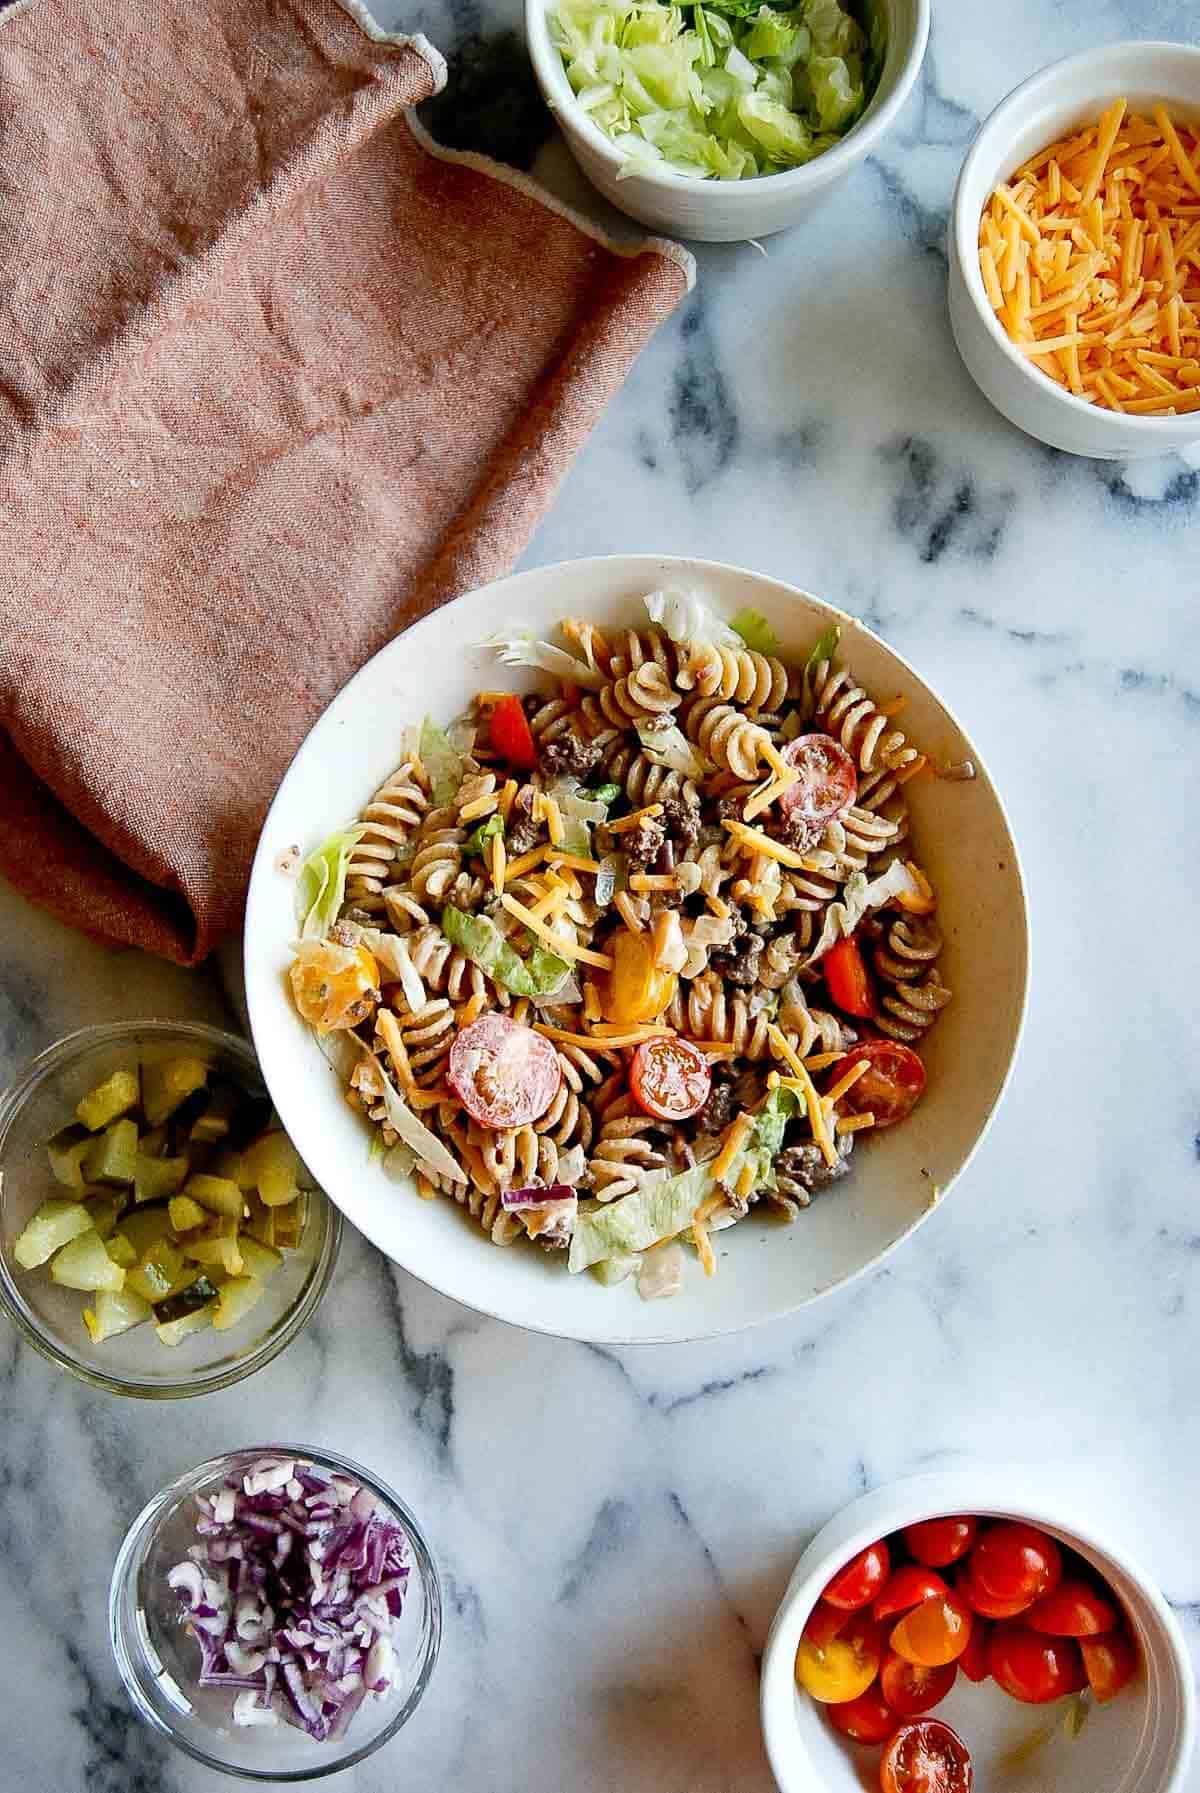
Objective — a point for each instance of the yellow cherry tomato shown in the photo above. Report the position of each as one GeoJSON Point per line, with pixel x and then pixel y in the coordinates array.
{"type": "Point", "coordinates": [635, 990]}
{"type": "Point", "coordinates": [334, 986]}
{"type": "Point", "coordinates": [934, 1633]}
{"type": "Point", "coordinates": [843, 1667]}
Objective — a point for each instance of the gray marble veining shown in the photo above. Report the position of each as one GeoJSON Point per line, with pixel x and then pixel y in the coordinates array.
{"type": "Point", "coordinates": [615, 1528]}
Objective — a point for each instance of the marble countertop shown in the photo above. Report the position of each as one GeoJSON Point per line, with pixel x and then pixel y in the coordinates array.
{"type": "Point", "coordinates": [615, 1528]}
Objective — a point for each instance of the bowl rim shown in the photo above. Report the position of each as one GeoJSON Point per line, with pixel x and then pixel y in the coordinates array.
{"type": "Point", "coordinates": [1004, 119]}
{"type": "Point", "coordinates": [13, 1099]}
{"type": "Point", "coordinates": [141, 1531]}
{"type": "Point", "coordinates": [657, 570]}
{"type": "Point", "coordinates": [985, 1487]}
{"type": "Point", "coordinates": [823, 169]}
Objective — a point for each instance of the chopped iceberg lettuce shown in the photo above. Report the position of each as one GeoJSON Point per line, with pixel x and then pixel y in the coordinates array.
{"type": "Point", "coordinates": [478, 839]}
{"type": "Point", "coordinates": [519, 646]}
{"type": "Point", "coordinates": [824, 648]}
{"type": "Point", "coordinates": [481, 941]}
{"type": "Point", "coordinates": [756, 632]}
{"type": "Point", "coordinates": [425, 1146]}
{"type": "Point", "coordinates": [858, 896]}
{"type": "Point", "coordinates": [671, 749]}
{"type": "Point", "coordinates": [321, 889]}
{"type": "Point", "coordinates": [635, 1221]}
{"type": "Point", "coordinates": [685, 616]}
{"type": "Point", "coordinates": [442, 761]}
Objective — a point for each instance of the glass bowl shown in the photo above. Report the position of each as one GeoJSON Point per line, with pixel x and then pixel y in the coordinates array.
{"type": "Point", "coordinates": [40, 1100]}
{"type": "Point", "coordinates": [157, 1658]}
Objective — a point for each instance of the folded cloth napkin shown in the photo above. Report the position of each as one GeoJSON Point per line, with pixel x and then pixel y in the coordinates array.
{"type": "Point", "coordinates": [276, 378]}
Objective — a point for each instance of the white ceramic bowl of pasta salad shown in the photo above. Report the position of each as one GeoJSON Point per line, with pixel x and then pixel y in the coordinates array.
{"type": "Point", "coordinates": [764, 1267]}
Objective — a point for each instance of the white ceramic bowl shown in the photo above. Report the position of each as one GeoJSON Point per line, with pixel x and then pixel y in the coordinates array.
{"type": "Point", "coordinates": [766, 1270]}
{"type": "Point", "coordinates": [1139, 1743]}
{"type": "Point", "coordinates": [713, 211]}
{"type": "Point", "coordinates": [1051, 104]}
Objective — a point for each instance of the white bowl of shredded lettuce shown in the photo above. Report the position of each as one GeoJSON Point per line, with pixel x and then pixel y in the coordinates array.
{"type": "Point", "coordinates": [728, 120]}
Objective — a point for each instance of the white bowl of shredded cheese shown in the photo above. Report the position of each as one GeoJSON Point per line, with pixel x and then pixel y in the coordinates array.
{"type": "Point", "coordinates": [1134, 324]}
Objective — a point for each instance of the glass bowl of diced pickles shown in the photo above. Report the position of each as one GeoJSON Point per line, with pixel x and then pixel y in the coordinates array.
{"type": "Point", "coordinates": [159, 1234]}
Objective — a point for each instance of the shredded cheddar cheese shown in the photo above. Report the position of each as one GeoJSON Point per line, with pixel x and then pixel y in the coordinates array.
{"type": "Point", "coordinates": [703, 1248]}
{"type": "Point", "coordinates": [745, 1183]}
{"type": "Point", "coordinates": [393, 1039]}
{"type": "Point", "coordinates": [482, 806]}
{"type": "Point", "coordinates": [518, 867]}
{"type": "Point", "coordinates": [755, 841]}
{"type": "Point", "coordinates": [507, 798]}
{"type": "Point", "coordinates": [558, 943]}
{"type": "Point", "coordinates": [634, 1036]}
{"type": "Point", "coordinates": [471, 1009]}
{"type": "Point", "coordinates": [846, 1081]}
{"type": "Point", "coordinates": [736, 1135]}
{"type": "Point", "coordinates": [624, 823]}
{"type": "Point", "coordinates": [573, 862]}
{"type": "Point", "coordinates": [816, 1114]}
{"type": "Point", "coordinates": [591, 1001]}
{"type": "Point", "coordinates": [499, 863]}
{"type": "Point", "coordinates": [854, 1123]}
{"type": "Point", "coordinates": [652, 881]}
{"type": "Point", "coordinates": [1090, 259]}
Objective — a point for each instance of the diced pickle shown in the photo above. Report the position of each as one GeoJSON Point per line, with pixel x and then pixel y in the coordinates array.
{"type": "Point", "coordinates": [225, 1253]}
{"type": "Point", "coordinates": [173, 1332]}
{"type": "Point", "coordinates": [213, 1124]}
{"type": "Point", "coordinates": [263, 1222]}
{"type": "Point", "coordinates": [154, 1143]}
{"type": "Point", "coordinates": [232, 1167]}
{"type": "Point", "coordinates": [66, 1152]}
{"type": "Point", "coordinates": [166, 1085]}
{"type": "Point", "coordinates": [113, 1156]}
{"type": "Point", "coordinates": [156, 1271]}
{"type": "Point", "coordinates": [276, 1165]}
{"type": "Point", "coordinates": [235, 1301]}
{"type": "Point", "coordinates": [115, 1311]}
{"type": "Point", "coordinates": [109, 1100]}
{"type": "Point", "coordinates": [200, 1290]}
{"type": "Point", "coordinates": [103, 1212]}
{"type": "Point", "coordinates": [143, 1227]}
{"type": "Point", "coordinates": [85, 1264]}
{"type": "Point", "coordinates": [258, 1259]}
{"type": "Point", "coordinates": [289, 1223]}
{"type": "Point", "coordinates": [121, 1251]}
{"type": "Point", "coordinates": [186, 1214]}
{"type": "Point", "coordinates": [55, 1224]}
{"type": "Point", "coordinates": [217, 1194]}
{"type": "Point", "coordinates": [154, 1178]}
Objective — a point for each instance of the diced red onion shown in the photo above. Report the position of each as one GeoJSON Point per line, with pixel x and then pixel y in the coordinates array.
{"type": "Point", "coordinates": [291, 1594]}
{"type": "Point", "coordinates": [536, 1197]}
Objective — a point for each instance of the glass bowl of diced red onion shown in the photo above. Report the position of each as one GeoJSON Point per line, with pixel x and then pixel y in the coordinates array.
{"type": "Point", "coordinates": [276, 1612]}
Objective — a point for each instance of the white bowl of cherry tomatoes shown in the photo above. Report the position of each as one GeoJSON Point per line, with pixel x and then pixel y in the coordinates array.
{"type": "Point", "coordinates": [957, 1634]}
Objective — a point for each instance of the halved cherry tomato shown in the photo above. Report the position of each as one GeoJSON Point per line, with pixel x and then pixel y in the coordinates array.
{"type": "Point", "coordinates": [510, 734]}
{"type": "Point", "coordinates": [861, 1579]}
{"type": "Point", "coordinates": [670, 1078]}
{"type": "Point", "coordinates": [844, 1667]}
{"type": "Point", "coordinates": [974, 1660]}
{"type": "Point", "coordinates": [848, 979]}
{"type": "Point", "coordinates": [334, 986]}
{"type": "Point", "coordinates": [504, 1075]}
{"type": "Point", "coordinates": [937, 1542]}
{"type": "Point", "coordinates": [828, 783]}
{"type": "Point", "coordinates": [824, 1622]}
{"type": "Point", "coordinates": [926, 1757]}
{"type": "Point", "coordinates": [1109, 1662]}
{"type": "Point", "coordinates": [910, 1688]}
{"type": "Point", "coordinates": [1073, 1609]}
{"type": "Point", "coordinates": [1033, 1668]}
{"type": "Point", "coordinates": [868, 1719]}
{"type": "Point", "coordinates": [635, 990]}
{"type": "Point", "coordinates": [893, 1086]}
{"type": "Point", "coordinates": [935, 1632]}
{"type": "Point", "coordinates": [981, 1603]}
{"type": "Point", "coordinates": [1014, 1561]}
{"type": "Point", "coordinates": [905, 1588]}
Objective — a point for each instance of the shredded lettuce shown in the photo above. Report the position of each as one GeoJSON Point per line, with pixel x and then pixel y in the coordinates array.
{"type": "Point", "coordinates": [619, 1268]}
{"type": "Point", "coordinates": [684, 616]}
{"type": "Point", "coordinates": [858, 896]}
{"type": "Point", "coordinates": [640, 1219]}
{"type": "Point", "coordinates": [425, 1146]}
{"type": "Point", "coordinates": [756, 632]}
{"type": "Point", "coordinates": [481, 941]}
{"type": "Point", "coordinates": [766, 1139]}
{"type": "Point", "coordinates": [720, 90]}
{"type": "Point", "coordinates": [442, 761]}
{"type": "Point", "coordinates": [670, 748]}
{"type": "Point", "coordinates": [824, 648]}
{"type": "Point", "coordinates": [518, 646]}
{"type": "Point", "coordinates": [604, 793]}
{"type": "Point", "coordinates": [477, 840]}
{"type": "Point", "coordinates": [391, 951]}
{"type": "Point", "coordinates": [321, 889]}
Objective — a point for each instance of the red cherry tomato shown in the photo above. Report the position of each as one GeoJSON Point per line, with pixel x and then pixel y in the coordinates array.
{"type": "Point", "coordinates": [510, 734]}
{"type": "Point", "coordinates": [983, 1603]}
{"type": "Point", "coordinates": [828, 783]}
{"type": "Point", "coordinates": [905, 1588]}
{"type": "Point", "coordinates": [935, 1632]}
{"type": "Point", "coordinates": [849, 980]}
{"type": "Point", "coordinates": [1109, 1662]}
{"type": "Point", "coordinates": [868, 1719]}
{"type": "Point", "coordinates": [937, 1542]}
{"type": "Point", "coordinates": [1074, 1609]}
{"type": "Point", "coordinates": [893, 1086]}
{"type": "Point", "coordinates": [974, 1660]}
{"type": "Point", "coordinates": [504, 1075]}
{"type": "Point", "coordinates": [861, 1579]}
{"type": "Point", "coordinates": [824, 1622]}
{"type": "Point", "coordinates": [670, 1078]}
{"type": "Point", "coordinates": [1013, 1561]}
{"type": "Point", "coordinates": [926, 1757]}
{"type": "Point", "coordinates": [910, 1688]}
{"type": "Point", "coordinates": [1033, 1668]}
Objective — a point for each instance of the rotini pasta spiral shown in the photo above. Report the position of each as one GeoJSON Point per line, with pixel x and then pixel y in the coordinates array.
{"type": "Point", "coordinates": [388, 819]}
{"type": "Point", "coordinates": [626, 1148]}
{"type": "Point", "coordinates": [706, 1009]}
{"type": "Point", "coordinates": [734, 675]}
{"type": "Point", "coordinates": [725, 736]}
{"type": "Point", "coordinates": [845, 711]}
{"type": "Point", "coordinates": [915, 994]}
{"type": "Point", "coordinates": [638, 697]}
{"type": "Point", "coordinates": [812, 1030]}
